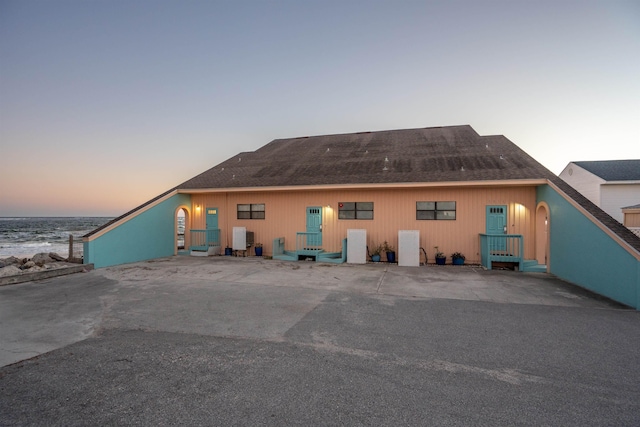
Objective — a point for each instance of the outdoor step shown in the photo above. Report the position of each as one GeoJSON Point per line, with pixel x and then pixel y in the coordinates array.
{"type": "Point", "coordinates": [532, 266]}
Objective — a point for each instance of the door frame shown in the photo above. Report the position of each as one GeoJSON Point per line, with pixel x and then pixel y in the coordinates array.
{"type": "Point", "coordinates": [318, 240]}
{"type": "Point", "coordinates": [499, 244]}
{"type": "Point", "coordinates": [543, 235]}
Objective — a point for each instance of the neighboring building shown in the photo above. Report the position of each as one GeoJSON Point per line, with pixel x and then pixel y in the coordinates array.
{"type": "Point", "coordinates": [610, 184]}
{"type": "Point", "coordinates": [479, 195]}
{"type": "Point", "coordinates": [632, 218]}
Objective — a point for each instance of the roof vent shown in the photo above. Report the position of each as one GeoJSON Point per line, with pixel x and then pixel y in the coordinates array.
{"type": "Point", "coordinates": [486, 145]}
{"type": "Point", "coordinates": [233, 177]}
{"type": "Point", "coordinates": [501, 157]}
{"type": "Point", "coordinates": [461, 168]}
{"type": "Point", "coordinates": [222, 170]}
{"type": "Point", "coordinates": [327, 150]}
{"type": "Point", "coordinates": [386, 163]}
{"type": "Point", "coordinates": [239, 159]}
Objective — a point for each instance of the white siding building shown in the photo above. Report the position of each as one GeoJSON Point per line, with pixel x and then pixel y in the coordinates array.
{"type": "Point", "coordinates": [610, 184]}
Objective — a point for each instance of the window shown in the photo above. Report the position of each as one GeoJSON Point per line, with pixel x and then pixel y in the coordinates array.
{"type": "Point", "coordinates": [355, 210]}
{"type": "Point", "coordinates": [436, 210]}
{"type": "Point", "coordinates": [251, 211]}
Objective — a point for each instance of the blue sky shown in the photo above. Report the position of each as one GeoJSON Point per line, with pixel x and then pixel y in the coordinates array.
{"type": "Point", "coordinates": [106, 104]}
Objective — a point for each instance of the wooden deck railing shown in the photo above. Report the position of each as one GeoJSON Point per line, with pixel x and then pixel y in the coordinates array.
{"type": "Point", "coordinates": [501, 248]}
{"type": "Point", "coordinates": [202, 240]}
{"type": "Point", "coordinates": [308, 242]}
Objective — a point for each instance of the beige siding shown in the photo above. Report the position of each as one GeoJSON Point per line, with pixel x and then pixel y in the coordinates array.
{"type": "Point", "coordinates": [394, 209]}
{"type": "Point", "coordinates": [632, 218]}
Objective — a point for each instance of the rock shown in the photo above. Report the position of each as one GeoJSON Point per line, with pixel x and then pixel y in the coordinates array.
{"type": "Point", "coordinates": [27, 265]}
{"type": "Point", "coordinates": [41, 259]}
{"type": "Point", "coordinates": [10, 270]}
{"type": "Point", "coordinates": [9, 261]}
{"type": "Point", "coordinates": [56, 257]}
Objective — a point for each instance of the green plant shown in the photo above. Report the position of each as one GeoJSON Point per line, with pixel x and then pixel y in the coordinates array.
{"type": "Point", "coordinates": [458, 255]}
{"type": "Point", "coordinates": [376, 250]}
{"type": "Point", "coordinates": [387, 247]}
{"type": "Point", "coordinates": [438, 253]}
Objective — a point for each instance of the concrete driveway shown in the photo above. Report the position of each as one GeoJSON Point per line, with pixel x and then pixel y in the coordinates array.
{"type": "Point", "coordinates": [247, 341]}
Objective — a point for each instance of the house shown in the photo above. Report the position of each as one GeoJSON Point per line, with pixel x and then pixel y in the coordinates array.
{"type": "Point", "coordinates": [479, 195]}
{"type": "Point", "coordinates": [610, 184]}
{"type": "Point", "coordinates": [632, 218]}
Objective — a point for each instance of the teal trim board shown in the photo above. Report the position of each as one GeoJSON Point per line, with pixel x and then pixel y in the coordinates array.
{"type": "Point", "coordinates": [150, 234]}
{"type": "Point", "coordinates": [582, 253]}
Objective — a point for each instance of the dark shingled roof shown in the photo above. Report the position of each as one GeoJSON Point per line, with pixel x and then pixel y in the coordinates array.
{"type": "Point", "coordinates": [442, 154]}
{"type": "Point", "coordinates": [613, 170]}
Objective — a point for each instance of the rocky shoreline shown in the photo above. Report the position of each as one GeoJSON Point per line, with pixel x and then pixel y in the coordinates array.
{"type": "Point", "coordinates": [14, 266]}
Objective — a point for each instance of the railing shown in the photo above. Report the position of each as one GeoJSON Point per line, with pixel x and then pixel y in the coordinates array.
{"type": "Point", "coordinates": [202, 240]}
{"type": "Point", "coordinates": [310, 242]}
{"type": "Point", "coordinates": [501, 248]}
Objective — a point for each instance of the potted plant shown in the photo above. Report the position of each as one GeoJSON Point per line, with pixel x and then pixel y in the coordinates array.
{"type": "Point", "coordinates": [391, 253]}
{"type": "Point", "coordinates": [441, 259]}
{"type": "Point", "coordinates": [457, 258]}
{"type": "Point", "coordinates": [375, 253]}
{"type": "Point", "coordinates": [258, 249]}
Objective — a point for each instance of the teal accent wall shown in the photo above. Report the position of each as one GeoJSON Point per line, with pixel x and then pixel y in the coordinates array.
{"type": "Point", "coordinates": [582, 253]}
{"type": "Point", "coordinates": [148, 235]}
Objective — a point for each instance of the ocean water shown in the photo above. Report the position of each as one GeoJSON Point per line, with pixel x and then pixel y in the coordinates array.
{"type": "Point", "coordinates": [27, 236]}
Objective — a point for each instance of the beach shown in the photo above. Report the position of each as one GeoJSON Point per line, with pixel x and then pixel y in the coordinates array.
{"type": "Point", "coordinates": [23, 237]}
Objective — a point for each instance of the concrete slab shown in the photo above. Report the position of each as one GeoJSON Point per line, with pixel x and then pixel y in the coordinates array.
{"type": "Point", "coordinates": [208, 295]}
{"type": "Point", "coordinates": [225, 340]}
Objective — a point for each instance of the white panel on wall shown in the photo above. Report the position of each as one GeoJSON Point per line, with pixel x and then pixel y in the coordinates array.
{"type": "Point", "coordinates": [356, 246]}
{"type": "Point", "coordinates": [239, 238]}
{"type": "Point", "coordinates": [409, 248]}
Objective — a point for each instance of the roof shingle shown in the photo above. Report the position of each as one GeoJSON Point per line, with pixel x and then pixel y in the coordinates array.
{"type": "Point", "coordinates": [455, 153]}
{"type": "Point", "coordinates": [613, 170]}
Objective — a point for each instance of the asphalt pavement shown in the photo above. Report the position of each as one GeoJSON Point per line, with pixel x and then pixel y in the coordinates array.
{"type": "Point", "coordinates": [248, 341]}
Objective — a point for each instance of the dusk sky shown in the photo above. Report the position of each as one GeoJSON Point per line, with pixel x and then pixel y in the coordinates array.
{"type": "Point", "coordinates": [106, 104]}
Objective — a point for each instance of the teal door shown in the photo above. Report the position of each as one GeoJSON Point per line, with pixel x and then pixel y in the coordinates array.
{"type": "Point", "coordinates": [314, 225]}
{"type": "Point", "coordinates": [497, 224]}
{"type": "Point", "coordinates": [212, 218]}
{"type": "Point", "coordinates": [213, 234]}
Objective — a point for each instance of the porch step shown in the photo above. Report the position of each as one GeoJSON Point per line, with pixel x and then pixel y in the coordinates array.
{"type": "Point", "coordinates": [319, 256]}
{"type": "Point", "coordinates": [333, 257]}
{"type": "Point", "coordinates": [532, 266]}
{"type": "Point", "coordinates": [204, 251]}
{"type": "Point", "coordinates": [286, 256]}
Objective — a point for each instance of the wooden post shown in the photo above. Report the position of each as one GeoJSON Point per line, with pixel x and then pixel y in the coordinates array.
{"type": "Point", "coordinates": [70, 246]}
